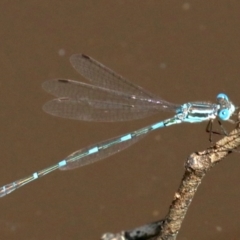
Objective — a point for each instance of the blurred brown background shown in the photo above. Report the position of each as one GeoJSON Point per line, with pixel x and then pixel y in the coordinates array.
{"type": "Point", "coordinates": [182, 51]}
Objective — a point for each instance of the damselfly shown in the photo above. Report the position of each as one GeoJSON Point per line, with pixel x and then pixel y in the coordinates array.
{"type": "Point", "coordinates": [110, 98]}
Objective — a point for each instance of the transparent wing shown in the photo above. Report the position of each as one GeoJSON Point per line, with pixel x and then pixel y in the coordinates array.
{"type": "Point", "coordinates": [105, 112]}
{"type": "Point", "coordinates": [109, 98]}
{"type": "Point", "coordinates": [104, 149]}
{"type": "Point", "coordinates": [78, 100]}
{"type": "Point", "coordinates": [100, 75]}
{"type": "Point", "coordinates": [82, 92]}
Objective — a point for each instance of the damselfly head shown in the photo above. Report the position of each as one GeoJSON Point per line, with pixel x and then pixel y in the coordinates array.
{"type": "Point", "coordinates": [226, 107]}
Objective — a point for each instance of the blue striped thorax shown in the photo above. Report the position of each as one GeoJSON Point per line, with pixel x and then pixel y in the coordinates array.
{"type": "Point", "coordinates": [204, 111]}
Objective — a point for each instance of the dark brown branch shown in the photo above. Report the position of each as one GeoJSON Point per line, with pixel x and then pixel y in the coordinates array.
{"type": "Point", "coordinates": [196, 167]}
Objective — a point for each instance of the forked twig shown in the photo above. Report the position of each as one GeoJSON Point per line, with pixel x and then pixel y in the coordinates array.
{"type": "Point", "coordinates": [196, 167]}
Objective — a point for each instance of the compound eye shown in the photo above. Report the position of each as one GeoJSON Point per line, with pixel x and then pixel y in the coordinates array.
{"type": "Point", "coordinates": [222, 96]}
{"type": "Point", "coordinates": [224, 114]}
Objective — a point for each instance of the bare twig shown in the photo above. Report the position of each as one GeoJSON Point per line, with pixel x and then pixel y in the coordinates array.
{"type": "Point", "coordinates": [196, 167]}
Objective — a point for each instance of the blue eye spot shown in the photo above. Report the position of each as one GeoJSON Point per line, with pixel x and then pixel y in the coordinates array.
{"type": "Point", "coordinates": [222, 95]}
{"type": "Point", "coordinates": [224, 114]}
